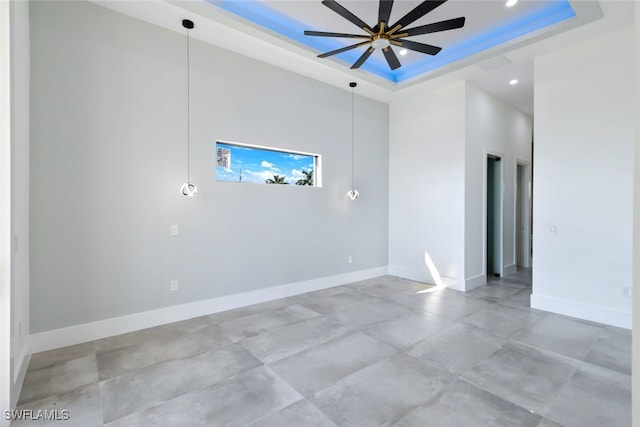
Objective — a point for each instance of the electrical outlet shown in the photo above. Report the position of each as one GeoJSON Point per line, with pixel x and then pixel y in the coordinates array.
{"type": "Point", "coordinates": [350, 259]}
{"type": "Point", "coordinates": [627, 291]}
{"type": "Point", "coordinates": [175, 230]}
{"type": "Point", "coordinates": [174, 285]}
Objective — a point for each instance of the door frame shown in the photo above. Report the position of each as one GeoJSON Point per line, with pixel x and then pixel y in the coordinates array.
{"type": "Point", "coordinates": [527, 217]}
{"type": "Point", "coordinates": [485, 158]}
{"type": "Point", "coordinates": [6, 379]}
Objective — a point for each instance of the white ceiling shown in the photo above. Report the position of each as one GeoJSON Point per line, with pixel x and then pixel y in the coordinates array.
{"type": "Point", "coordinates": [512, 60]}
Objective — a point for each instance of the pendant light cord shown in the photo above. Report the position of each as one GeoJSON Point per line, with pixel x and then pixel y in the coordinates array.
{"type": "Point", "coordinates": [188, 113]}
{"type": "Point", "coordinates": [352, 131]}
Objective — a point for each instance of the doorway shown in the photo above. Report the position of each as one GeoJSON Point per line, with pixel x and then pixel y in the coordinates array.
{"type": "Point", "coordinates": [494, 216]}
{"type": "Point", "coordinates": [523, 215]}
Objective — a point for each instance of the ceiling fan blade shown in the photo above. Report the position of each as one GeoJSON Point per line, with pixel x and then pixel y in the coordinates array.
{"type": "Point", "coordinates": [363, 58]}
{"type": "Point", "coordinates": [340, 10]}
{"type": "Point", "coordinates": [326, 34]}
{"type": "Point", "coordinates": [450, 24]}
{"type": "Point", "coordinates": [391, 58]}
{"type": "Point", "coordinates": [420, 47]}
{"type": "Point", "coordinates": [418, 12]}
{"type": "Point", "coordinates": [384, 11]}
{"type": "Point", "coordinates": [344, 49]}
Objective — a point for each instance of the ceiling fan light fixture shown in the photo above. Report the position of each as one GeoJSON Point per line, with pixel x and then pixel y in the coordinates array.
{"type": "Point", "coordinates": [353, 194]}
{"type": "Point", "coordinates": [511, 3]}
{"type": "Point", "coordinates": [380, 42]}
{"type": "Point", "coordinates": [403, 52]}
{"type": "Point", "coordinates": [513, 82]}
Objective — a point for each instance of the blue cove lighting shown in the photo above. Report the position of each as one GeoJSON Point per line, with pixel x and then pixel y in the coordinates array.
{"type": "Point", "coordinates": [262, 15]}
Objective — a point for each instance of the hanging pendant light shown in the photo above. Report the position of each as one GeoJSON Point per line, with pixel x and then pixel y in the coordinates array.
{"type": "Point", "coordinates": [188, 189]}
{"type": "Point", "coordinates": [353, 193]}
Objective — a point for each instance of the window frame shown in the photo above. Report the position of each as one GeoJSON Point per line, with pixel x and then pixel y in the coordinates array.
{"type": "Point", "coordinates": [317, 161]}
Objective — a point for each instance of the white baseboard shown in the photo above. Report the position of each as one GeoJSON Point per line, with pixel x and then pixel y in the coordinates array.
{"type": "Point", "coordinates": [423, 276]}
{"type": "Point", "coordinates": [77, 334]}
{"type": "Point", "coordinates": [16, 387]}
{"type": "Point", "coordinates": [475, 282]}
{"type": "Point", "coordinates": [510, 269]}
{"type": "Point", "coordinates": [580, 310]}
{"type": "Point", "coordinates": [409, 273]}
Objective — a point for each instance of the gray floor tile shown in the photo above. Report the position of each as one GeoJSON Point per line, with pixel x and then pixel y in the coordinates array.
{"type": "Point", "coordinates": [83, 406]}
{"type": "Point", "coordinates": [235, 402]}
{"type": "Point", "coordinates": [512, 280]}
{"type": "Point", "coordinates": [289, 340]}
{"type": "Point", "coordinates": [393, 288]}
{"type": "Point", "coordinates": [464, 405]}
{"type": "Point", "coordinates": [370, 282]}
{"type": "Point", "coordinates": [448, 304]}
{"type": "Point", "coordinates": [594, 397]}
{"type": "Point", "coordinates": [170, 346]}
{"type": "Point", "coordinates": [323, 365]}
{"type": "Point", "coordinates": [523, 375]}
{"type": "Point", "coordinates": [59, 379]}
{"type": "Point", "coordinates": [520, 300]}
{"type": "Point", "coordinates": [612, 350]}
{"type": "Point", "coordinates": [382, 393]}
{"type": "Point", "coordinates": [321, 293]}
{"type": "Point", "coordinates": [61, 355]}
{"type": "Point", "coordinates": [457, 347]}
{"type": "Point", "coordinates": [248, 326]}
{"type": "Point", "coordinates": [561, 335]}
{"type": "Point", "coordinates": [250, 310]}
{"type": "Point", "coordinates": [548, 423]}
{"type": "Point", "coordinates": [342, 356]}
{"type": "Point", "coordinates": [328, 303]}
{"type": "Point", "coordinates": [500, 320]}
{"type": "Point", "coordinates": [494, 292]}
{"type": "Point", "coordinates": [300, 414]}
{"type": "Point", "coordinates": [138, 337]}
{"type": "Point", "coordinates": [359, 315]}
{"type": "Point", "coordinates": [406, 330]}
{"type": "Point", "coordinates": [150, 386]}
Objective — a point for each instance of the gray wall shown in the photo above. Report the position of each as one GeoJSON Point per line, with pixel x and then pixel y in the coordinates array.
{"type": "Point", "coordinates": [108, 156]}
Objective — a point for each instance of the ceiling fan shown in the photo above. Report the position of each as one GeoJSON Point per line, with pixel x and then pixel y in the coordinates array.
{"type": "Point", "coordinates": [383, 36]}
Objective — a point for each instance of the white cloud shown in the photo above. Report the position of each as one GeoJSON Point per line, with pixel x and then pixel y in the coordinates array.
{"type": "Point", "coordinates": [268, 165]}
{"type": "Point", "coordinates": [296, 174]}
{"type": "Point", "coordinates": [297, 156]}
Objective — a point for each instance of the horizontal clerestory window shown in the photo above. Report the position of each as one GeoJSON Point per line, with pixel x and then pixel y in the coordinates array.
{"type": "Point", "coordinates": [264, 165]}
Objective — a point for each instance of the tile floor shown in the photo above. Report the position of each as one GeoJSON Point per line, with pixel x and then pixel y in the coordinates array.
{"type": "Point", "coordinates": [381, 352]}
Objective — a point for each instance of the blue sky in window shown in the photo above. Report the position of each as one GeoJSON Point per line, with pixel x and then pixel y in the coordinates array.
{"type": "Point", "coordinates": [257, 165]}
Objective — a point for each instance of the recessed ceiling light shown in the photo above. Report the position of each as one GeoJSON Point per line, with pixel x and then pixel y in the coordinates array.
{"type": "Point", "coordinates": [403, 52]}
{"type": "Point", "coordinates": [511, 3]}
{"type": "Point", "coordinates": [513, 82]}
